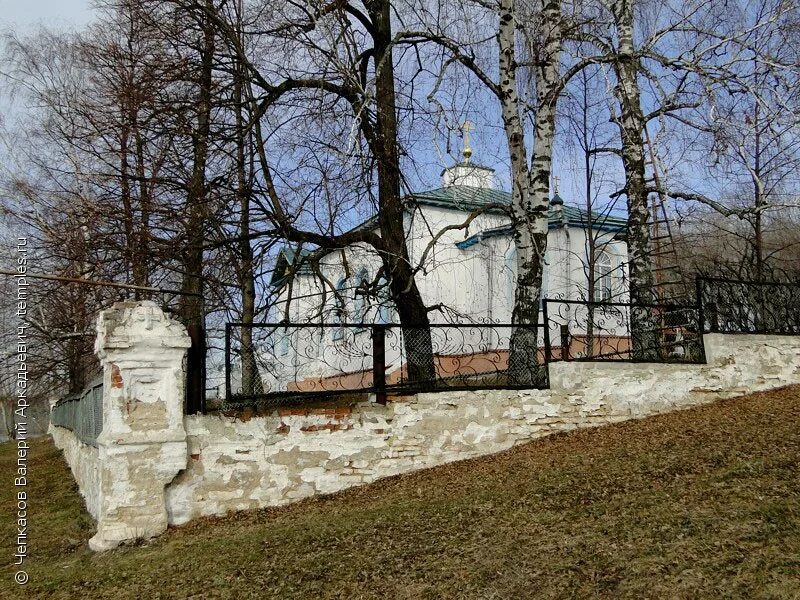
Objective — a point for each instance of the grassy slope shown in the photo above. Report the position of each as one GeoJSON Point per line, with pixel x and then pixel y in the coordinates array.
{"type": "Point", "coordinates": [701, 503]}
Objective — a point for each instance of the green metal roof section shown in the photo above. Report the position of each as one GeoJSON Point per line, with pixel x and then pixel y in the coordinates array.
{"type": "Point", "coordinates": [288, 259]}
{"type": "Point", "coordinates": [459, 197]}
{"type": "Point", "coordinates": [462, 197]}
{"type": "Point", "coordinates": [580, 218]}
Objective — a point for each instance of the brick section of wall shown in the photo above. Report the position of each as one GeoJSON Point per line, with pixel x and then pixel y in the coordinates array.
{"type": "Point", "coordinates": [280, 458]}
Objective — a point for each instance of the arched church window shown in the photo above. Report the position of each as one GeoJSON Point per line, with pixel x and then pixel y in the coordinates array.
{"type": "Point", "coordinates": [603, 279]}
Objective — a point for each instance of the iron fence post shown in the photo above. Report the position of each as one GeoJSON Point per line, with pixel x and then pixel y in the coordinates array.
{"type": "Point", "coordinates": [379, 362]}
{"type": "Point", "coordinates": [566, 353]}
{"type": "Point", "coordinates": [228, 390]}
{"type": "Point", "coordinates": [713, 317]}
{"type": "Point", "coordinates": [547, 355]}
{"type": "Point", "coordinates": [196, 370]}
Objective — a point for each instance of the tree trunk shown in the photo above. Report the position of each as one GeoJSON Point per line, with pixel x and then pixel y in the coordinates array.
{"type": "Point", "coordinates": [192, 306]}
{"type": "Point", "coordinates": [759, 321]}
{"type": "Point", "coordinates": [644, 333]}
{"type": "Point", "coordinates": [125, 195]}
{"type": "Point", "coordinates": [134, 98]}
{"type": "Point", "coordinates": [411, 309]}
{"type": "Point", "coordinates": [251, 379]}
{"type": "Point", "coordinates": [141, 268]}
{"type": "Point", "coordinates": [530, 186]}
{"type": "Point", "coordinates": [591, 250]}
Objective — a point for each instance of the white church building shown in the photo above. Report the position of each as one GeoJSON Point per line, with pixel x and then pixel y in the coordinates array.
{"type": "Point", "coordinates": [470, 273]}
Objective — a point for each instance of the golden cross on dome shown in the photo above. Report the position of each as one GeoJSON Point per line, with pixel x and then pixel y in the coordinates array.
{"type": "Point", "coordinates": [467, 151]}
{"type": "Point", "coordinates": [556, 179]}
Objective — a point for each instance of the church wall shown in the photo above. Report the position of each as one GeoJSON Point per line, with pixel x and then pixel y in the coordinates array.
{"type": "Point", "coordinates": [615, 249]}
{"type": "Point", "coordinates": [502, 252]}
{"type": "Point", "coordinates": [307, 354]}
{"type": "Point", "coordinates": [558, 279]}
{"type": "Point", "coordinates": [451, 276]}
{"type": "Point", "coordinates": [567, 261]}
{"type": "Point", "coordinates": [461, 277]}
{"type": "Point", "coordinates": [567, 279]}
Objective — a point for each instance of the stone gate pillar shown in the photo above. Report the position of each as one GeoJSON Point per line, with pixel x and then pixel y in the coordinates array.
{"type": "Point", "coordinates": [143, 442]}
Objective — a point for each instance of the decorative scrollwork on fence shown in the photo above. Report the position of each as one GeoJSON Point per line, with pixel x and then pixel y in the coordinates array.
{"type": "Point", "coordinates": [296, 359]}
{"type": "Point", "coordinates": [750, 307]}
{"type": "Point", "coordinates": [475, 355]}
{"type": "Point", "coordinates": [580, 330]}
{"type": "Point", "coordinates": [291, 362]}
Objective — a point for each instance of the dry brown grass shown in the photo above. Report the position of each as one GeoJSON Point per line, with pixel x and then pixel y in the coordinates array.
{"type": "Point", "coordinates": [697, 504]}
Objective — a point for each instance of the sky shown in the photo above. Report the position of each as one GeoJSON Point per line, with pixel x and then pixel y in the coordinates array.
{"type": "Point", "coordinates": [488, 142]}
{"type": "Point", "coordinates": [27, 14]}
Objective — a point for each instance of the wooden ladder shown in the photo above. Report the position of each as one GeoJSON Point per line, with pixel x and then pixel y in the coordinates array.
{"type": "Point", "coordinates": [670, 283]}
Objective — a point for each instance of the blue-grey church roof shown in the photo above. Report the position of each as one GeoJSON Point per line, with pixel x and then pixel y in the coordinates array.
{"type": "Point", "coordinates": [468, 199]}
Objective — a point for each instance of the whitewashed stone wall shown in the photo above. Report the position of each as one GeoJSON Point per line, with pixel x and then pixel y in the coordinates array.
{"type": "Point", "coordinates": [143, 442]}
{"type": "Point", "coordinates": [84, 462]}
{"type": "Point", "coordinates": [267, 461]}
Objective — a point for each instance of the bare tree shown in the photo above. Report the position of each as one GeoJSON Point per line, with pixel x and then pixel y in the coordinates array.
{"type": "Point", "coordinates": [744, 128]}
{"type": "Point", "coordinates": [531, 40]}
{"type": "Point", "coordinates": [589, 140]}
{"type": "Point", "coordinates": [348, 66]}
{"type": "Point", "coordinates": [108, 139]}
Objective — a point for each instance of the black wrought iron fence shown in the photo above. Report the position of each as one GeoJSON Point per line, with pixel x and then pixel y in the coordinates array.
{"type": "Point", "coordinates": [732, 306]}
{"type": "Point", "coordinates": [274, 364]}
{"type": "Point", "coordinates": [278, 363]}
{"type": "Point", "coordinates": [583, 330]}
{"type": "Point", "coordinates": [82, 413]}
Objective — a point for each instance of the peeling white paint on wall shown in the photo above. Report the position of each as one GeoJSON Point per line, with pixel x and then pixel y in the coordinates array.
{"type": "Point", "coordinates": [84, 463]}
